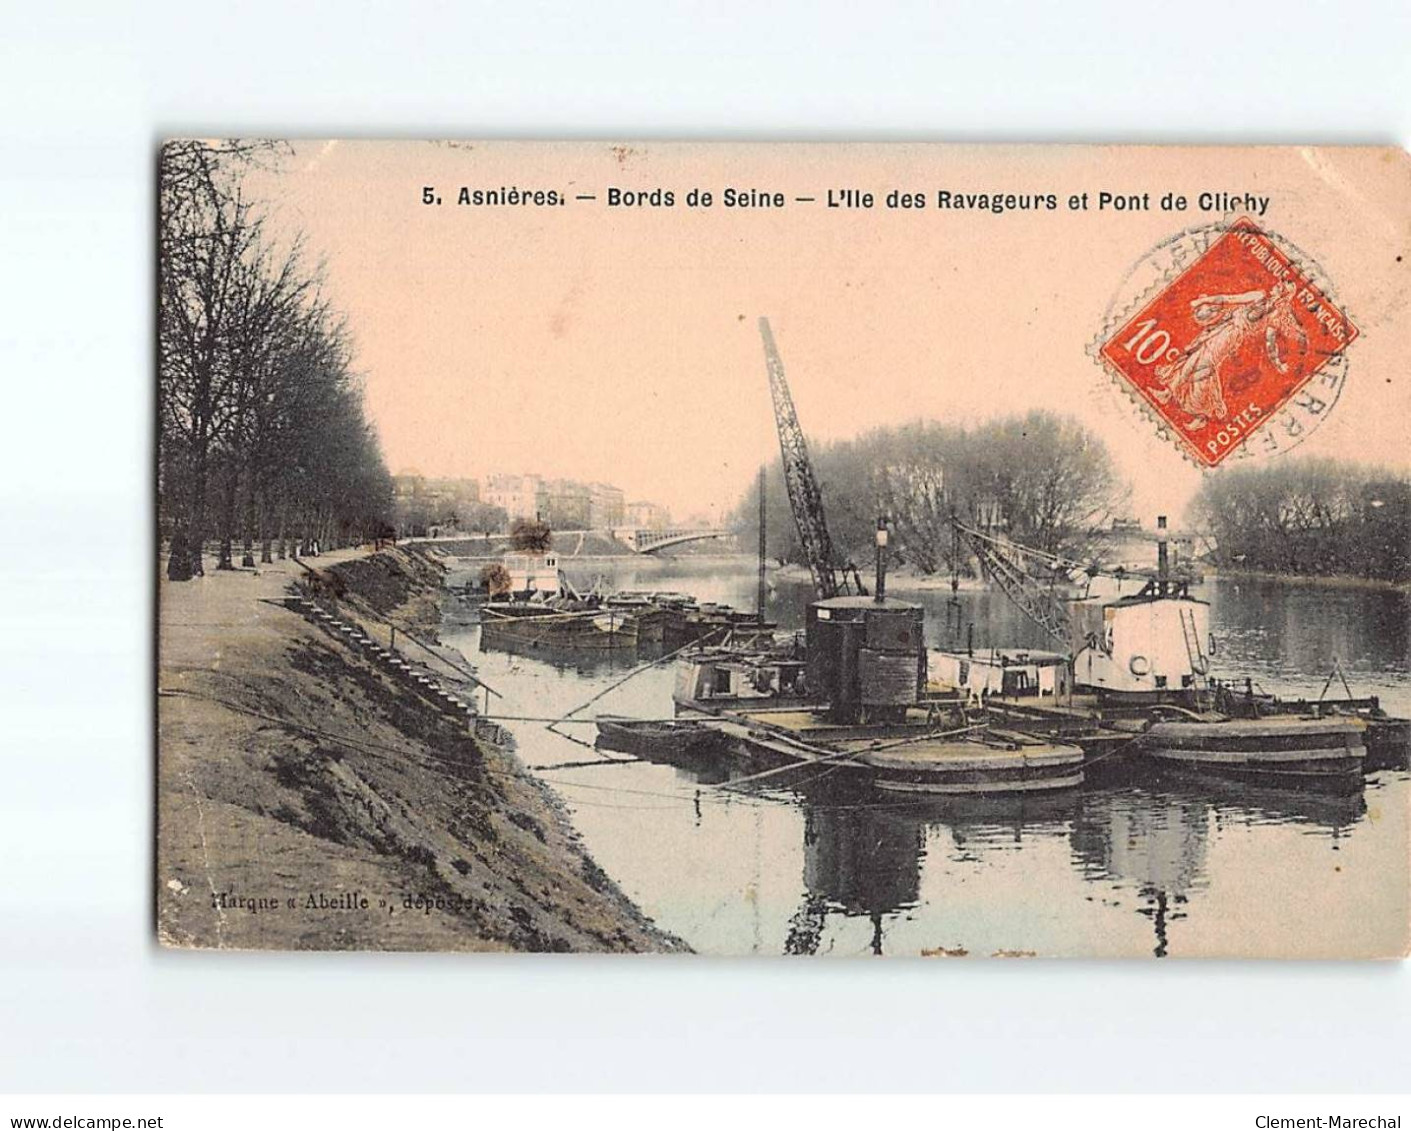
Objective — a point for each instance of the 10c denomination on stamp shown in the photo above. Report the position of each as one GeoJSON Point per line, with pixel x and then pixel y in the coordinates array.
{"type": "Point", "coordinates": [1222, 347]}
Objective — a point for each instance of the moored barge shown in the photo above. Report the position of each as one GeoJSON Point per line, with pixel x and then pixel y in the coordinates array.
{"type": "Point", "coordinates": [657, 738]}
{"type": "Point", "coordinates": [1137, 683]}
{"type": "Point", "coordinates": [913, 756]}
{"type": "Point", "coordinates": [853, 700]}
{"type": "Point", "coordinates": [556, 626]}
{"type": "Point", "coordinates": [1319, 753]}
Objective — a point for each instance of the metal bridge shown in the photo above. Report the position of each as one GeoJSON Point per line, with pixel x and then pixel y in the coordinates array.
{"type": "Point", "coordinates": [646, 541]}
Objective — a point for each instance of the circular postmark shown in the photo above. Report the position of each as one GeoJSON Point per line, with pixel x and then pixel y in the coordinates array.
{"type": "Point", "coordinates": [1229, 339]}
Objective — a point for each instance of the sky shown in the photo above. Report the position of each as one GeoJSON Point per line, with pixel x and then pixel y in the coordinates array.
{"type": "Point", "coordinates": [621, 343]}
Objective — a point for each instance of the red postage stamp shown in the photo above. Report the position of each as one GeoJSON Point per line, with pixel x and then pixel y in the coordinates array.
{"type": "Point", "coordinates": [1219, 350]}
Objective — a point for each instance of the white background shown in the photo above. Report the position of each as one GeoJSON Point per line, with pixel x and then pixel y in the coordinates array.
{"type": "Point", "coordinates": [86, 999]}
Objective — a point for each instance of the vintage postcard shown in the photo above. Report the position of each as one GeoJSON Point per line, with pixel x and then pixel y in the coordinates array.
{"type": "Point", "coordinates": [761, 549]}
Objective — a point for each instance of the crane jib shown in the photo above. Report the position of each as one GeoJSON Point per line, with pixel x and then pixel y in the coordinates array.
{"type": "Point", "coordinates": [1017, 585]}
{"type": "Point", "coordinates": [805, 498]}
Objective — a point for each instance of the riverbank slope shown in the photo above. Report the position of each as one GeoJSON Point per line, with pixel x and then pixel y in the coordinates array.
{"type": "Point", "coordinates": [310, 797]}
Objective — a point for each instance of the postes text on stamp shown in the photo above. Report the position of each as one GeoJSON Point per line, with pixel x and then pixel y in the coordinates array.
{"type": "Point", "coordinates": [1228, 342]}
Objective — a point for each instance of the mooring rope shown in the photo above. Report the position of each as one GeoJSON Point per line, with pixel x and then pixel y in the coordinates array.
{"type": "Point", "coordinates": [634, 673]}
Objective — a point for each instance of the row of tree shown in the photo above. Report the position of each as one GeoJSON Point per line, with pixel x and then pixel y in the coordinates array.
{"type": "Point", "coordinates": [1319, 517]}
{"type": "Point", "coordinates": [1039, 479]}
{"type": "Point", "coordinates": [263, 440]}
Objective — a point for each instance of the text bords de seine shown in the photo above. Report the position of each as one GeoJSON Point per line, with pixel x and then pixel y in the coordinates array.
{"type": "Point", "coordinates": [855, 199]}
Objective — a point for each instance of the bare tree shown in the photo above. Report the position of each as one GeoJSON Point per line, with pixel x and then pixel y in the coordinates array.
{"type": "Point", "coordinates": [1309, 516]}
{"type": "Point", "coordinates": [1040, 479]}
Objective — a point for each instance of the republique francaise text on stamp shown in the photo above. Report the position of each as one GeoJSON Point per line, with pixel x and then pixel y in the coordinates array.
{"type": "Point", "coordinates": [1228, 342]}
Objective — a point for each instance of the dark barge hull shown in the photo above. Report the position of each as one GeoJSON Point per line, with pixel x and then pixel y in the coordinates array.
{"type": "Point", "coordinates": [926, 766]}
{"type": "Point", "coordinates": [533, 628]}
{"type": "Point", "coordinates": [662, 741]}
{"type": "Point", "coordinates": [1281, 743]}
{"type": "Point", "coordinates": [1324, 754]}
{"type": "Point", "coordinates": [669, 629]}
{"type": "Point", "coordinates": [1331, 776]}
{"type": "Point", "coordinates": [1387, 739]}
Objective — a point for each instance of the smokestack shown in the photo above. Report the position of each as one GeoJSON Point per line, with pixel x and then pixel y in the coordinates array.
{"type": "Point", "coordinates": [881, 560]}
{"type": "Point", "coordinates": [1162, 563]}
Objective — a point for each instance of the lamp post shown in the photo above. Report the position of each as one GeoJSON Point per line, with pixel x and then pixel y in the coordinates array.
{"type": "Point", "coordinates": [881, 588]}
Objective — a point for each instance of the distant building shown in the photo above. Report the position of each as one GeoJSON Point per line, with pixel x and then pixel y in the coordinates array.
{"type": "Point", "coordinates": [565, 504]}
{"type": "Point", "coordinates": [606, 507]}
{"type": "Point", "coordinates": [448, 495]}
{"type": "Point", "coordinates": [465, 490]}
{"type": "Point", "coordinates": [1126, 525]}
{"type": "Point", "coordinates": [647, 516]}
{"type": "Point", "coordinates": [408, 484]}
{"type": "Point", "coordinates": [420, 503]}
{"type": "Point", "coordinates": [568, 505]}
{"type": "Point", "coordinates": [520, 496]}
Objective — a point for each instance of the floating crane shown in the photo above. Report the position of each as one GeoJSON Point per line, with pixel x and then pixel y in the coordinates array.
{"type": "Point", "coordinates": [805, 499]}
{"type": "Point", "coordinates": [1000, 559]}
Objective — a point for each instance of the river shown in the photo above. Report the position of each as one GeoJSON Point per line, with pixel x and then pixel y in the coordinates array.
{"type": "Point", "coordinates": [1125, 869]}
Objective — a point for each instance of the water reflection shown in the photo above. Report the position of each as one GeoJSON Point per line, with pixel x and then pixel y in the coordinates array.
{"type": "Point", "coordinates": [864, 856]}
{"type": "Point", "coordinates": [1156, 841]}
{"type": "Point", "coordinates": [861, 861]}
{"type": "Point", "coordinates": [864, 850]}
{"type": "Point", "coordinates": [1332, 813]}
{"type": "Point", "coordinates": [1300, 627]}
{"type": "Point", "coordinates": [1134, 864]}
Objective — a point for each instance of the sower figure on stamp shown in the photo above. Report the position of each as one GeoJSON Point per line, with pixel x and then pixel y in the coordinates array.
{"type": "Point", "coordinates": [1193, 378]}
